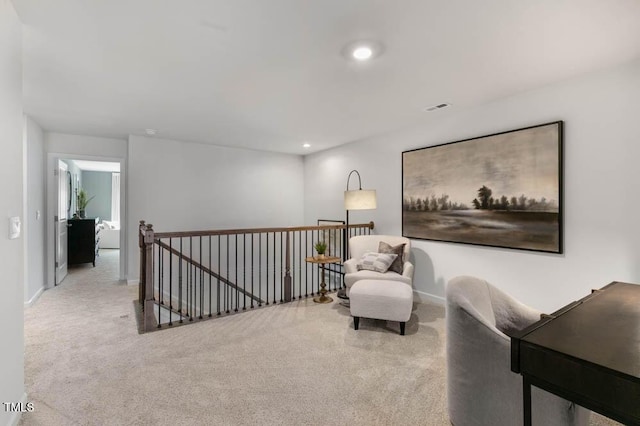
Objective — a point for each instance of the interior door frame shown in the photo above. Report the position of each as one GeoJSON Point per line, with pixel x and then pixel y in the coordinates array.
{"type": "Point", "coordinates": [63, 173]}
{"type": "Point", "coordinates": [51, 188]}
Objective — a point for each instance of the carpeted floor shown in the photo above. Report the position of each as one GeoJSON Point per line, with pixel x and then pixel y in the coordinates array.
{"type": "Point", "coordinates": [294, 364]}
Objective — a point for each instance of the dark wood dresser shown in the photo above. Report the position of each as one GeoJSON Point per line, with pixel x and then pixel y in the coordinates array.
{"type": "Point", "coordinates": [83, 239]}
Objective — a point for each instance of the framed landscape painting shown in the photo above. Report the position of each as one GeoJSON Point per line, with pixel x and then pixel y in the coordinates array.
{"type": "Point", "coordinates": [500, 190]}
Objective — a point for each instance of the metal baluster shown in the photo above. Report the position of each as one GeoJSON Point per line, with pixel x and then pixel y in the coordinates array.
{"type": "Point", "coordinates": [300, 263]}
{"type": "Point", "coordinates": [281, 268]}
{"type": "Point", "coordinates": [266, 265]}
{"type": "Point", "coordinates": [226, 287]}
{"type": "Point", "coordinates": [293, 267]}
{"type": "Point", "coordinates": [187, 286]}
{"type": "Point", "coordinates": [219, 275]}
{"type": "Point", "coordinates": [327, 267]}
{"type": "Point", "coordinates": [190, 308]}
{"type": "Point", "coordinates": [160, 272]}
{"type": "Point", "coordinates": [260, 269]}
{"type": "Point", "coordinates": [317, 274]}
{"type": "Point", "coordinates": [331, 253]}
{"type": "Point", "coordinates": [336, 266]}
{"type": "Point", "coordinates": [252, 271]}
{"type": "Point", "coordinates": [159, 294]}
{"type": "Point", "coordinates": [306, 269]}
{"type": "Point", "coordinates": [236, 277]}
{"type": "Point", "coordinates": [170, 281]}
{"type": "Point", "coordinates": [312, 253]}
{"type": "Point", "coordinates": [180, 282]}
{"type": "Point", "coordinates": [274, 267]}
{"type": "Point", "coordinates": [210, 269]}
{"type": "Point", "coordinates": [187, 273]}
{"type": "Point", "coordinates": [244, 272]}
{"type": "Point", "coordinates": [201, 296]}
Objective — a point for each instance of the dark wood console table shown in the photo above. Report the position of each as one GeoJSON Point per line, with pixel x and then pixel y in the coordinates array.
{"type": "Point", "coordinates": [587, 352]}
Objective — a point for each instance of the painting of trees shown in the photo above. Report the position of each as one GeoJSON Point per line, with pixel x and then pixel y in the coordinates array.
{"type": "Point", "coordinates": [501, 190]}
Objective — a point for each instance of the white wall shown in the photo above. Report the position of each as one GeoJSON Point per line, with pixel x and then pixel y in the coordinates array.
{"type": "Point", "coordinates": [179, 186]}
{"type": "Point", "coordinates": [81, 147]}
{"type": "Point", "coordinates": [98, 185]}
{"type": "Point", "coordinates": [601, 174]}
{"type": "Point", "coordinates": [34, 221]}
{"type": "Point", "coordinates": [11, 204]}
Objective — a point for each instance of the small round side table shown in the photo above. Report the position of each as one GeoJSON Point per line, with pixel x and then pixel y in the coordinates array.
{"type": "Point", "coordinates": [323, 298]}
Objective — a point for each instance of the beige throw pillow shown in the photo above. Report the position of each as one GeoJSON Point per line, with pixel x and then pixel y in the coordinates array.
{"type": "Point", "coordinates": [378, 262]}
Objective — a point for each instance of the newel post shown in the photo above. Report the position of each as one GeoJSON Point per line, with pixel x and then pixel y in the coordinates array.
{"type": "Point", "coordinates": [287, 274]}
{"type": "Point", "coordinates": [150, 322]}
{"type": "Point", "coordinates": [141, 229]}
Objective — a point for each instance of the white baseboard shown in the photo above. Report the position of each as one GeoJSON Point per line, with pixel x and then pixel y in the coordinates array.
{"type": "Point", "coordinates": [34, 298]}
{"type": "Point", "coordinates": [421, 296]}
{"type": "Point", "coordinates": [16, 416]}
{"type": "Point", "coordinates": [133, 282]}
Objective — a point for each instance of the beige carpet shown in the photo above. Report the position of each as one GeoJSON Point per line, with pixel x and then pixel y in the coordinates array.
{"type": "Point", "coordinates": [294, 364]}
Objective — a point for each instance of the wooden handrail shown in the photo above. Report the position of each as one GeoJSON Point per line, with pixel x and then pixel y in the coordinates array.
{"type": "Point", "coordinates": [179, 234]}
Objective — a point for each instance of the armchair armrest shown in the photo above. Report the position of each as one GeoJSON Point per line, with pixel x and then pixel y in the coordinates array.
{"type": "Point", "coordinates": [407, 270]}
{"type": "Point", "coordinates": [350, 266]}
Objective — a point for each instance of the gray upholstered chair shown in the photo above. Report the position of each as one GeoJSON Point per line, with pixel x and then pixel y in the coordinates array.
{"type": "Point", "coordinates": [482, 390]}
{"type": "Point", "coordinates": [362, 244]}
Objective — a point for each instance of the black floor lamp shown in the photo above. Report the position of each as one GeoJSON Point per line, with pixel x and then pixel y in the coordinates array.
{"type": "Point", "coordinates": [359, 199]}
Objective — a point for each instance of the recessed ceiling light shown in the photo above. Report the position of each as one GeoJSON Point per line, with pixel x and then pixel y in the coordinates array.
{"type": "Point", "coordinates": [306, 145]}
{"type": "Point", "coordinates": [150, 132]}
{"type": "Point", "coordinates": [362, 50]}
{"type": "Point", "coordinates": [362, 53]}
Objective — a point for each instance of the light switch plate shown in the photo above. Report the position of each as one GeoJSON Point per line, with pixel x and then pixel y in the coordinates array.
{"type": "Point", "coordinates": [14, 227]}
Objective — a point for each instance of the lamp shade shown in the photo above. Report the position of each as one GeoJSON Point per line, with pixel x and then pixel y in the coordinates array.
{"type": "Point", "coordinates": [360, 199]}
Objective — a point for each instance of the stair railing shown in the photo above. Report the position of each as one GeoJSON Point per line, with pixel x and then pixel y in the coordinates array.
{"type": "Point", "coordinates": [195, 275]}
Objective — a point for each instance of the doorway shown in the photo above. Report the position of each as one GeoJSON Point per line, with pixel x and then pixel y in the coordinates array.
{"type": "Point", "coordinates": [86, 216]}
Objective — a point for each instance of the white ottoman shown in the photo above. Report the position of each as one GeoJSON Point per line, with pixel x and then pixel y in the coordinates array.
{"type": "Point", "coordinates": [381, 299]}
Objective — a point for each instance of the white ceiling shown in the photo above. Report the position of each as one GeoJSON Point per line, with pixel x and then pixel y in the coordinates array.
{"type": "Point", "coordinates": [270, 75]}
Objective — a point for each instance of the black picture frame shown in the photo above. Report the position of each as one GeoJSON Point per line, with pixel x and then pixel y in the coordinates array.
{"type": "Point", "coordinates": [499, 190]}
{"type": "Point", "coordinates": [336, 246]}
{"type": "Point", "coordinates": [332, 237]}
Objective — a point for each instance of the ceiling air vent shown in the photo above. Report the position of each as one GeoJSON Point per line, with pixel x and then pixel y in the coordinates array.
{"type": "Point", "coordinates": [435, 107]}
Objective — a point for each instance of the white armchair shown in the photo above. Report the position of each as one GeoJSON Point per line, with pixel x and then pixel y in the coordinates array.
{"type": "Point", "coordinates": [481, 388]}
{"type": "Point", "coordinates": [362, 244]}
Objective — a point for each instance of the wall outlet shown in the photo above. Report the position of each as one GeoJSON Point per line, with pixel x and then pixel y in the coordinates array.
{"type": "Point", "coordinates": [14, 227]}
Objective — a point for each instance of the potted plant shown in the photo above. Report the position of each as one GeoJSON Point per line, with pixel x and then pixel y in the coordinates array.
{"type": "Point", "coordinates": [321, 248]}
{"type": "Point", "coordinates": [83, 199]}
